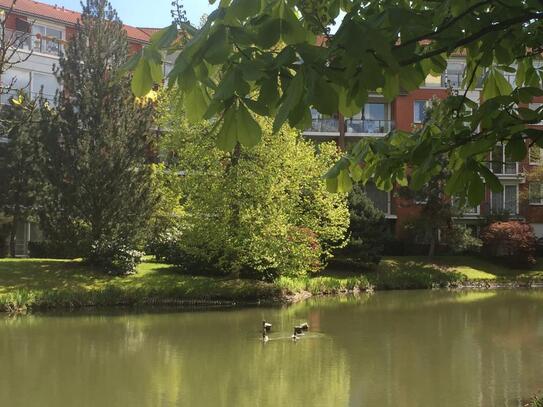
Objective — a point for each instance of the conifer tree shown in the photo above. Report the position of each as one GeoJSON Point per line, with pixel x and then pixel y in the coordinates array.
{"type": "Point", "coordinates": [97, 142]}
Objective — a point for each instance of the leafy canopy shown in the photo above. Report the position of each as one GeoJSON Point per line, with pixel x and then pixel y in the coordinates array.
{"type": "Point", "coordinates": [276, 58]}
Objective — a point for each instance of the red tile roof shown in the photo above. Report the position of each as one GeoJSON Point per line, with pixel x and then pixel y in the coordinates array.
{"type": "Point", "coordinates": [63, 15]}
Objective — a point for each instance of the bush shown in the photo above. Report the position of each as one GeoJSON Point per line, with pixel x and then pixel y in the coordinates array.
{"type": "Point", "coordinates": [368, 230]}
{"type": "Point", "coordinates": [513, 242]}
{"type": "Point", "coordinates": [459, 239]}
{"type": "Point", "coordinates": [114, 257]}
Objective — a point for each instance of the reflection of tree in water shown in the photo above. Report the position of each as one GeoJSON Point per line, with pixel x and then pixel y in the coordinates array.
{"type": "Point", "coordinates": [193, 359]}
{"type": "Point", "coordinates": [446, 349]}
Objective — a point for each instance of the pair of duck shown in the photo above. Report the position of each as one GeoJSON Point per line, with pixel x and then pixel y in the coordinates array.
{"type": "Point", "coordinates": [298, 330]}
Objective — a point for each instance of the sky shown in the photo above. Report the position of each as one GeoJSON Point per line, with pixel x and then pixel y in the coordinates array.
{"type": "Point", "coordinates": [146, 13]}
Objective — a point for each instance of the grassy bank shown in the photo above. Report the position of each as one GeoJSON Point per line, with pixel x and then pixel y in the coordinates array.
{"type": "Point", "coordinates": [37, 284]}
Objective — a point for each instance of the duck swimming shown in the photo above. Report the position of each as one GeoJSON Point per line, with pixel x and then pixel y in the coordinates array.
{"type": "Point", "coordinates": [266, 326]}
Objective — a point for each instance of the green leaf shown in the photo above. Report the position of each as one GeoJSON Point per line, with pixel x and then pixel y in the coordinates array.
{"type": "Point", "coordinates": [142, 81]}
{"type": "Point", "coordinates": [157, 72]}
{"type": "Point", "coordinates": [503, 85]}
{"type": "Point", "coordinates": [490, 178]}
{"type": "Point", "coordinates": [291, 98]}
{"type": "Point", "coordinates": [165, 37]}
{"type": "Point", "coordinates": [227, 137]}
{"type": "Point", "coordinates": [196, 104]}
{"type": "Point", "coordinates": [344, 182]}
{"type": "Point", "coordinates": [132, 62]}
{"type": "Point", "coordinates": [392, 86]}
{"type": "Point", "coordinates": [516, 148]}
{"type": "Point", "coordinates": [249, 131]}
{"type": "Point", "coordinates": [476, 190]}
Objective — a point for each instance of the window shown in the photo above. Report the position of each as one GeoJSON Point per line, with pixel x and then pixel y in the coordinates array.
{"type": "Point", "coordinates": [501, 162]}
{"type": "Point", "coordinates": [372, 119]}
{"type": "Point", "coordinates": [535, 193]}
{"type": "Point", "coordinates": [535, 155]}
{"type": "Point", "coordinates": [465, 209]}
{"type": "Point", "coordinates": [536, 106]}
{"type": "Point", "coordinates": [45, 83]}
{"type": "Point", "coordinates": [46, 40]}
{"type": "Point", "coordinates": [454, 74]}
{"type": "Point", "coordinates": [420, 107]}
{"type": "Point", "coordinates": [505, 201]}
{"type": "Point", "coordinates": [380, 199]}
{"type": "Point", "coordinates": [30, 82]}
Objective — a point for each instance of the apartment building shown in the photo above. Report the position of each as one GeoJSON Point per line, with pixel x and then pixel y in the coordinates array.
{"type": "Point", "coordinates": [520, 198]}
{"type": "Point", "coordinates": [49, 28]}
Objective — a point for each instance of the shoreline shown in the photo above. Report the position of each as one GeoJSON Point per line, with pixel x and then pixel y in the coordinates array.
{"type": "Point", "coordinates": [283, 299]}
{"type": "Point", "coordinates": [28, 285]}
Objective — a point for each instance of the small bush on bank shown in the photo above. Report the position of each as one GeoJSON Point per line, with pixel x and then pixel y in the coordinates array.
{"type": "Point", "coordinates": [536, 401]}
{"type": "Point", "coordinates": [114, 257]}
{"type": "Point", "coordinates": [323, 285]}
{"type": "Point", "coordinates": [513, 242]}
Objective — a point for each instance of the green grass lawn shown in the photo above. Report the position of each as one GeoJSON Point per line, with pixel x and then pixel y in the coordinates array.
{"type": "Point", "coordinates": [474, 268]}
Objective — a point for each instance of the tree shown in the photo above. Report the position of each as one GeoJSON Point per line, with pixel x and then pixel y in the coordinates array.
{"type": "Point", "coordinates": [368, 231]}
{"type": "Point", "coordinates": [18, 146]}
{"type": "Point", "coordinates": [259, 212]}
{"type": "Point", "coordinates": [19, 171]}
{"type": "Point", "coordinates": [264, 56]}
{"type": "Point", "coordinates": [99, 193]}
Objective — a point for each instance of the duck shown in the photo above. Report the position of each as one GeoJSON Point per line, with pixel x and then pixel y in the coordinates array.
{"type": "Point", "coordinates": [305, 326]}
{"type": "Point", "coordinates": [265, 337]}
{"type": "Point", "coordinates": [266, 326]}
{"type": "Point", "coordinates": [298, 330]}
{"type": "Point", "coordinates": [294, 335]}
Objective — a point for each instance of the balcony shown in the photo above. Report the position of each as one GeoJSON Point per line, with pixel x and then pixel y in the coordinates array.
{"type": "Point", "coordinates": [375, 127]}
{"type": "Point", "coordinates": [323, 127]}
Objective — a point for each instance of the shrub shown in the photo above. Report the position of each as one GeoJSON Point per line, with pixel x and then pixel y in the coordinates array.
{"type": "Point", "coordinates": [459, 239]}
{"type": "Point", "coordinates": [114, 257]}
{"type": "Point", "coordinates": [513, 242]}
{"type": "Point", "coordinates": [367, 229]}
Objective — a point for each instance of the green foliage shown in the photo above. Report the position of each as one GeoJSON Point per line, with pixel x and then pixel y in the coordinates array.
{"type": "Point", "coordinates": [263, 56]}
{"type": "Point", "coordinates": [367, 229]}
{"type": "Point", "coordinates": [261, 211]}
{"type": "Point", "coordinates": [96, 144]}
{"type": "Point", "coordinates": [20, 178]}
{"type": "Point", "coordinates": [536, 401]}
{"type": "Point", "coordinates": [459, 239]}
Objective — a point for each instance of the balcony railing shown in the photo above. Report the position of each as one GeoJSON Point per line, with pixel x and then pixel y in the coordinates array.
{"type": "Point", "coordinates": [507, 168]}
{"type": "Point", "coordinates": [369, 126]}
{"type": "Point", "coordinates": [324, 126]}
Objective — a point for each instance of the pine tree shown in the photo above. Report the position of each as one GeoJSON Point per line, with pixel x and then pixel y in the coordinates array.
{"type": "Point", "coordinates": [97, 142]}
{"type": "Point", "coordinates": [19, 170]}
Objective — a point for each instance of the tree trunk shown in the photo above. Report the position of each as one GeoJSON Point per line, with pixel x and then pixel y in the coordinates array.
{"type": "Point", "coordinates": [13, 236]}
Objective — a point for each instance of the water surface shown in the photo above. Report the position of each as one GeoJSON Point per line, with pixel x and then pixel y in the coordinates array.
{"type": "Point", "coordinates": [410, 349]}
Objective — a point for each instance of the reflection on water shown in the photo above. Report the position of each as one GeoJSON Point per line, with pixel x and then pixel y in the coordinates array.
{"type": "Point", "coordinates": [428, 348]}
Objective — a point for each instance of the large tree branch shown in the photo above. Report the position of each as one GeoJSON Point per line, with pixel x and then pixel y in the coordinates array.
{"type": "Point", "coordinates": [447, 25]}
{"type": "Point", "coordinates": [473, 37]}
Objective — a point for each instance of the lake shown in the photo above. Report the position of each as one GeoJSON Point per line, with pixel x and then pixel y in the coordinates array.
{"type": "Point", "coordinates": [398, 349]}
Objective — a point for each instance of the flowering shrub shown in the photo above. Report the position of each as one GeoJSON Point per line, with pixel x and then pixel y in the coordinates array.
{"type": "Point", "coordinates": [511, 241]}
